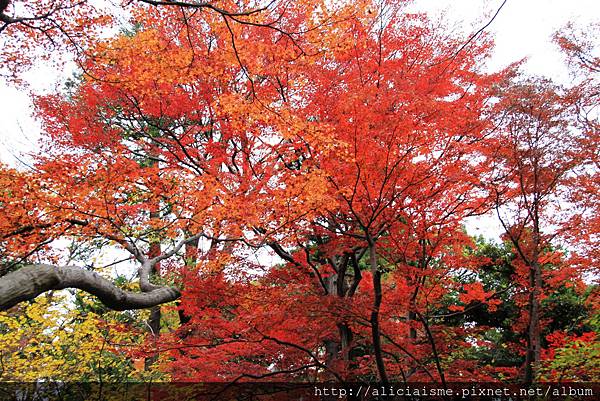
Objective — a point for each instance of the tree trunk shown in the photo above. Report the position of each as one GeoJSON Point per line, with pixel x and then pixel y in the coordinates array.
{"type": "Point", "coordinates": [332, 346]}
{"type": "Point", "coordinates": [534, 341]}
{"type": "Point", "coordinates": [532, 357]}
{"type": "Point", "coordinates": [155, 314]}
{"type": "Point", "coordinates": [375, 332]}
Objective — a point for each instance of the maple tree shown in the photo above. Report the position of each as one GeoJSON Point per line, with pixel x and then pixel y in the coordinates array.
{"type": "Point", "coordinates": [102, 214]}
{"type": "Point", "coordinates": [61, 31]}
{"type": "Point", "coordinates": [351, 141]}
{"type": "Point", "coordinates": [535, 157]}
{"type": "Point", "coordinates": [362, 93]}
{"type": "Point", "coordinates": [582, 61]}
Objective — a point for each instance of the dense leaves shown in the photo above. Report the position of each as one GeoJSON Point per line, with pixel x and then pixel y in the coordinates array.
{"type": "Point", "coordinates": [302, 176]}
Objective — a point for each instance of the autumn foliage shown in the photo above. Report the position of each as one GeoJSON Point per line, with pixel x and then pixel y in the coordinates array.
{"type": "Point", "coordinates": [300, 178]}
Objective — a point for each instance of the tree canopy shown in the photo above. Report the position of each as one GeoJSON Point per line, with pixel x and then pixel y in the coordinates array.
{"type": "Point", "coordinates": [349, 142]}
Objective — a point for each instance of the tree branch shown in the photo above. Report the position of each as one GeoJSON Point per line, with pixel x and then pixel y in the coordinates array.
{"type": "Point", "coordinates": [206, 5]}
{"type": "Point", "coordinates": [33, 280]}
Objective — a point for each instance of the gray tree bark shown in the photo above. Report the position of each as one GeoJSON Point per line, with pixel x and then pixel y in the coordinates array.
{"type": "Point", "coordinates": [33, 280]}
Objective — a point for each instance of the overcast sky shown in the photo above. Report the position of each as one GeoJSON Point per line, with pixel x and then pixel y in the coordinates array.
{"type": "Point", "coordinates": [522, 29]}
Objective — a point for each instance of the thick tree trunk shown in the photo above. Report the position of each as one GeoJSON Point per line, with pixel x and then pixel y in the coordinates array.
{"type": "Point", "coordinates": [33, 280]}
{"type": "Point", "coordinates": [534, 340]}
{"type": "Point", "coordinates": [532, 357]}
{"type": "Point", "coordinates": [154, 327]}
{"type": "Point", "coordinates": [332, 345]}
{"type": "Point", "coordinates": [337, 350]}
{"type": "Point", "coordinates": [155, 313]}
{"type": "Point", "coordinates": [375, 332]}
{"type": "Point", "coordinates": [345, 341]}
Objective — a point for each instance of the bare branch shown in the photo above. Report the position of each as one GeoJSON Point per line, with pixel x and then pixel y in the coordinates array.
{"type": "Point", "coordinates": [205, 5]}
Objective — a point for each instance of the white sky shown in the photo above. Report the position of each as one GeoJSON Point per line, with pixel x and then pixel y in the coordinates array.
{"type": "Point", "coordinates": [522, 29]}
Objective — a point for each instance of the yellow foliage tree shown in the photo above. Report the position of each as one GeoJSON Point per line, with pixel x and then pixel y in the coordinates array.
{"type": "Point", "coordinates": [51, 339]}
